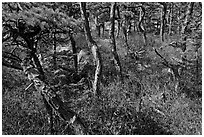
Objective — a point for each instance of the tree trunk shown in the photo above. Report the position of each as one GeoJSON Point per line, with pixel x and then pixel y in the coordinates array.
{"type": "Point", "coordinates": [179, 22]}
{"type": "Point", "coordinates": [118, 28]}
{"type": "Point", "coordinates": [185, 26]}
{"type": "Point", "coordinates": [113, 43]}
{"type": "Point", "coordinates": [124, 30]}
{"type": "Point", "coordinates": [98, 28]}
{"type": "Point", "coordinates": [27, 64]}
{"type": "Point", "coordinates": [31, 44]}
{"type": "Point", "coordinates": [74, 50]}
{"type": "Point", "coordinates": [54, 51]}
{"type": "Point", "coordinates": [102, 25]}
{"type": "Point", "coordinates": [163, 18]}
{"type": "Point", "coordinates": [129, 27]}
{"type": "Point", "coordinates": [119, 21]}
{"type": "Point", "coordinates": [135, 26]}
{"type": "Point", "coordinates": [161, 26]}
{"type": "Point", "coordinates": [197, 67]}
{"type": "Point", "coordinates": [186, 23]}
{"type": "Point", "coordinates": [140, 25]}
{"type": "Point", "coordinates": [170, 17]}
{"type": "Point", "coordinates": [51, 99]}
{"type": "Point", "coordinates": [94, 48]}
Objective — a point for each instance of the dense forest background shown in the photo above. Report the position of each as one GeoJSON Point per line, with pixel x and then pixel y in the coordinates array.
{"type": "Point", "coordinates": [130, 68]}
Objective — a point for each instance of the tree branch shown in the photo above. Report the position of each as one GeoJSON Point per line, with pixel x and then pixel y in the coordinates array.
{"type": "Point", "coordinates": [4, 63]}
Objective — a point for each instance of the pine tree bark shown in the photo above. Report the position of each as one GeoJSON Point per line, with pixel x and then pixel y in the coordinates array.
{"type": "Point", "coordinates": [113, 42]}
{"type": "Point", "coordinates": [94, 48]}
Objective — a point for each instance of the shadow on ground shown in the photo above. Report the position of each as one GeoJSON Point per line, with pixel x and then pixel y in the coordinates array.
{"type": "Point", "coordinates": [128, 124]}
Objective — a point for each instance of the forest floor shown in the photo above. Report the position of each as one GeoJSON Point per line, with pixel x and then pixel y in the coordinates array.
{"type": "Point", "coordinates": [118, 110]}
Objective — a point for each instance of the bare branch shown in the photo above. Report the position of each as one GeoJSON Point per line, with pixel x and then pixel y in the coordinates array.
{"type": "Point", "coordinates": [11, 56]}
{"type": "Point", "coordinates": [9, 65]}
{"type": "Point", "coordinates": [166, 63]}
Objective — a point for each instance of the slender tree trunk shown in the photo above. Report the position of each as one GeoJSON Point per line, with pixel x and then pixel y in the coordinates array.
{"type": "Point", "coordinates": [124, 30]}
{"type": "Point", "coordinates": [98, 28]}
{"type": "Point", "coordinates": [50, 113]}
{"type": "Point", "coordinates": [54, 49]}
{"type": "Point", "coordinates": [157, 27]}
{"type": "Point", "coordinates": [74, 50]}
{"type": "Point", "coordinates": [170, 17]}
{"type": "Point", "coordinates": [135, 26]}
{"type": "Point", "coordinates": [163, 18]}
{"type": "Point", "coordinates": [119, 21]}
{"type": "Point", "coordinates": [125, 27]}
{"type": "Point", "coordinates": [185, 25]}
{"type": "Point", "coordinates": [94, 48]}
{"type": "Point", "coordinates": [140, 25]}
{"type": "Point", "coordinates": [197, 67]}
{"type": "Point", "coordinates": [31, 46]}
{"type": "Point", "coordinates": [41, 75]}
{"type": "Point", "coordinates": [113, 42]}
{"type": "Point", "coordinates": [103, 28]}
{"type": "Point", "coordinates": [179, 22]}
{"type": "Point", "coordinates": [161, 26]}
{"type": "Point", "coordinates": [129, 27]}
{"type": "Point", "coordinates": [118, 26]}
{"type": "Point", "coordinates": [187, 20]}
